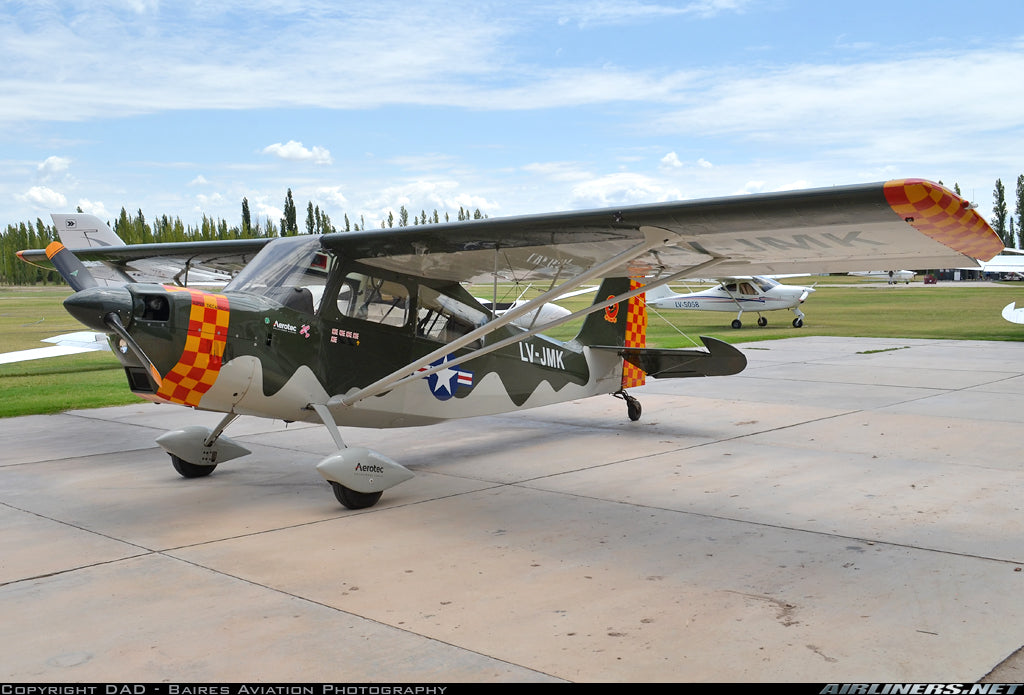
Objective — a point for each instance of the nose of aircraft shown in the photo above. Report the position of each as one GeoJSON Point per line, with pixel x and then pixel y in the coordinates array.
{"type": "Point", "coordinates": [92, 305]}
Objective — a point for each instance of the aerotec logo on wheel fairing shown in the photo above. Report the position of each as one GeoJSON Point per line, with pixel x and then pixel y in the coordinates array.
{"type": "Point", "coordinates": [445, 383]}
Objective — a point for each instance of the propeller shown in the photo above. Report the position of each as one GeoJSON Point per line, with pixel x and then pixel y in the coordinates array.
{"type": "Point", "coordinates": [99, 307]}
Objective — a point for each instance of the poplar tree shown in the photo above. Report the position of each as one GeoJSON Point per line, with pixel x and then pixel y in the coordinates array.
{"type": "Point", "coordinates": [1020, 206]}
{"type": "Point", "coordinates": [1000, 213]}
{"type": "Point", "coordinates": [246, 218]}
{"type": "Point", "coordinates": [289, 226]}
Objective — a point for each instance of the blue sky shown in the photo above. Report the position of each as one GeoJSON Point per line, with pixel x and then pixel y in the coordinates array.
{"type": "Point", "coordinates": [184, 108]}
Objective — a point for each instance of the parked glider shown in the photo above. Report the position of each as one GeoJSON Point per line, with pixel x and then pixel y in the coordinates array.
{"type": "Point", "coordinates": [755, 293]}
{"type": "Point", "coordinates": [375, 328]}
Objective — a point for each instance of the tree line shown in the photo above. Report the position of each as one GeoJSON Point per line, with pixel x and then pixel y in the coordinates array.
{"type": "Point", "coordinates": [1002, 222]}
{"type": "Point", "coordinates": [136, 229]}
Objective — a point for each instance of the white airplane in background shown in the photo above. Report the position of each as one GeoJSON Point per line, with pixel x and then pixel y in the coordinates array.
{"type": "Point", "coordinates": [892, 276]}
{"type": "Point", "coordinates": [758, 293]}
{"type": "Point", "coordinates": [66, 344]}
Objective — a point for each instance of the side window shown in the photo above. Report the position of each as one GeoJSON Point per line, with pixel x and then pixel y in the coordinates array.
{"type": "Point", "coordinates": [373, 299]}
{"type": "Point", "coordinates": [443, 318]}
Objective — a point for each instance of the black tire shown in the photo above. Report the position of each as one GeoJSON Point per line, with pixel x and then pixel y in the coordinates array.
{"type": "Point", "coordinates": [190, 470]}
{"type": "Point", "coordinates": [798, 323]}
{"type": "Point", "coordinates": [351, 499]}
{"type": "Point", "coordinates": [736, 323]}
{"type": "Point", "coordinates": [762, 321]}
{"type": "Point", "coordinates": [633, 409]}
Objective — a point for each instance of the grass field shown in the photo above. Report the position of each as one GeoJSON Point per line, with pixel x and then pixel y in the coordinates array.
{"type": "Point", "coordinates": [841, 306]}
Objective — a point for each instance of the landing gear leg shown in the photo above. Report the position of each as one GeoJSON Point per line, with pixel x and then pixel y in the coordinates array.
{"type": "Point", "coordinates": [206, 453]}
{"type": "Point", "coordinates": [358, 476]}
{"type": "Point", "coordinates": [798, 322]}
{"type": "Point", "coordinates": [633, 407]}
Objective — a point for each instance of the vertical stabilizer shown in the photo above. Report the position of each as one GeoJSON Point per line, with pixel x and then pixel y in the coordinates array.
{"type": "Point", "coordinates": [80, 231]}
{"type": "Point", "coordinates": [619, 325]}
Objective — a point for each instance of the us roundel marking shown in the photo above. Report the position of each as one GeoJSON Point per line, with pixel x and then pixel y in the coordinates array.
{"type": "Point", "coordinates": [445, 383]}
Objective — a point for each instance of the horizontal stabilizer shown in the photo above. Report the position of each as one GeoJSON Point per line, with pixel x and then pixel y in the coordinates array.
{"type": "Point", "coordinates": [720, 359]}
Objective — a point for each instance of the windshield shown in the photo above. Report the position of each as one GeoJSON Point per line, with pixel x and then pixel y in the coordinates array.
{"type": "Point", "coordinates": [285, 267]}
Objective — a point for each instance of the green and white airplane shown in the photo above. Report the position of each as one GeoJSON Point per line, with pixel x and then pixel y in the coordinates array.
{"type": "Point", "coordinates": [376, 328]}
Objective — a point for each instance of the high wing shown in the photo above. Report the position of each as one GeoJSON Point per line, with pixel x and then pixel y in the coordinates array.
{"type": "Point", "coordinates": [815, 231]}
{"type": "Point", "coordinates": [910, 222]}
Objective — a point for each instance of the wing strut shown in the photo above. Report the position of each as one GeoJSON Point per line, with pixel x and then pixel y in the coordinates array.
{"type": "Point", "coordinates": [402, 376]}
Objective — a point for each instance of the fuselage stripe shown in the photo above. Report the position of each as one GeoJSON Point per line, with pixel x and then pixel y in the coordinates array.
{"type": "Point", "coordinates": [200, 361]}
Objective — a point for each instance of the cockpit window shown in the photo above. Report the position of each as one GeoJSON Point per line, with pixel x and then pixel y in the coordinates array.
{"type": "Point", "coordinates": [290, 270]}
{"type": "Point", "coordinates": [765, 283]}
{"type": "Point", "coordinates": [373, 299]}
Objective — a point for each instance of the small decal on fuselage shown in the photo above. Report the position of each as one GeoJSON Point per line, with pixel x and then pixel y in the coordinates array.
{"type": "Point", "coordinates": [340, 337]}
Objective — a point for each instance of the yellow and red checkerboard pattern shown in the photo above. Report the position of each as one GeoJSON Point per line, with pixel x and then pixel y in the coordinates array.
{"type": "Point", "coordinates": [636, 336]}
{"type": "Point", "coordinates": [200, 361]}
{"type": "Point", "coordinates": [944, 216]}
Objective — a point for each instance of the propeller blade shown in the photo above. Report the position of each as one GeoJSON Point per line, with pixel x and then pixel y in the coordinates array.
{"type": "Point", "coordinates": [113, 322]}
{"type": "Point", "coordinates": [70, 268]}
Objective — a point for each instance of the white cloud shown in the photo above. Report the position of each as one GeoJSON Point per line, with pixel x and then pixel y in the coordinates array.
{"type": "Point", "coordinates": [671, 160]}
{"type": "Point", "coordinates": [268, 212]}
{"type": "Point", "coordinates": [331, 195]}
{"type": "Point", "coordinates": [704, 164]}
{"type": "Point", "coordinates": [208, 201]}
{"type": "Point", "coordinates": [198, 181]}
{"type": "Point", "coordinates": [296, 152]}
{"type": "Point", "coordinates": [622, 188]}
{"type": "Point", "coordinates": [53, 166]}
{"type": "Point", "coordinates": [94, 208]}
{"type": "Point", "coordinates": [43, 198]}
{"type": "Point", "coordinates": [559, 171]}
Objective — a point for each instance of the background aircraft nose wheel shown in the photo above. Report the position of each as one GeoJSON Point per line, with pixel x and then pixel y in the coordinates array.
{"type": "Point", "coordinates": [798, 322]}
{"type": "Point", "coordinates": [190, 470]}
{"type": "Point", "coordinates": [762, 321]}
{"type": "Point", "coordinates": [351, 499]}
{"type": "Point", "coordinates": [736, 323]}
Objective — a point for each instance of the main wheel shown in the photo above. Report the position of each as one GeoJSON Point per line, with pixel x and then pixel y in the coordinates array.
{"type": "Point", "coordinates": [190, 470]}
{"type": "Point", "coordinates": [762, 321]}
{"type": "Point", "coordinates": [736, 323]}
{"type": "Point", "coordinates": [633, 408]}
{"type": "Point", "coordinates": [351, 499]}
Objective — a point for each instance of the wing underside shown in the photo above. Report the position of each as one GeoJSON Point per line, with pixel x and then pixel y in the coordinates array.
{"type": "Point", "coordinates": [908, 223]}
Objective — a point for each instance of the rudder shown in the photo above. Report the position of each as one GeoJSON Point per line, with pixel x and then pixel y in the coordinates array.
{"type": "Point", "coordinates": [619, 325]}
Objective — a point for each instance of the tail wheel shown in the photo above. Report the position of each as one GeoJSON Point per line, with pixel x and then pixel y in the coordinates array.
{"type": "Point", "coordinates": [190, 470]}
{"type": "Point", "coordinates": [351, 499]}
{"type": "Point", "coordinates": [633, 408]}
